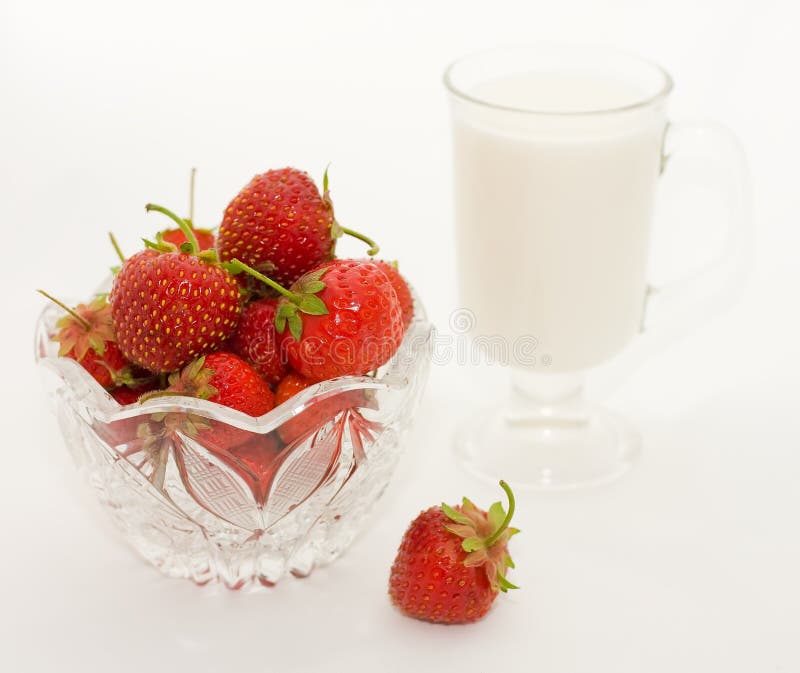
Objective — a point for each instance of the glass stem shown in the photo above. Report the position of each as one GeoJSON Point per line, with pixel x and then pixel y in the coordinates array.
{"type": "Point", "coordinates": [547, 397]}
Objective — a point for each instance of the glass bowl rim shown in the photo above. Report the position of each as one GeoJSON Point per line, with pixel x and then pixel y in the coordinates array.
{"type": "Point", "coordinates": [107, 410]}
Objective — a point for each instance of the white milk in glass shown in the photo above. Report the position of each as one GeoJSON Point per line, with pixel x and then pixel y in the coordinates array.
{"type": "Point", "coordinates": [553, 211]}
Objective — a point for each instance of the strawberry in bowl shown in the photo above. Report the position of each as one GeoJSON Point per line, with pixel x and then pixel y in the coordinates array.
{"type": "Point", "coordinates": [239, 425]}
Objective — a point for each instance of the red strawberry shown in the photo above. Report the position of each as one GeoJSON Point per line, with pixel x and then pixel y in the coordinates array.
{"type": "Point", "coordinates": [219, 377]}
{"type": "Point", "coordinates": [256, 340]}
{"type": "Point", "coordinates": [257, 461]}
{"type": "Point", "coordinates": [125, 395]}
{"type": "Point", "coordinates": [360, 328]}
{"type": "Point", "coordinates": [345, 325]}
{"type": "Point", "coordinates": [235, 384]}
{"type": "Point", "coordinates": [105, 366]}
{"type": "Point", "coordinates": [452, 562]}
{"type": "Point", "coordinates": [205, 238]}
{"type": "Point", "coordinates": [125, 430]}
{"type": "Point", "coordinates": [258, 454]}
{"type": "Point", "coordinates": [86, 334]}
{"type": "Point", "coordinates": [281, 225]}
{"type": "Point", "coordinates": [401, 287]}
{"type": "Point", "coordinates": [169, 307]}
{"type": "Point", "coordinates": [315, 416]}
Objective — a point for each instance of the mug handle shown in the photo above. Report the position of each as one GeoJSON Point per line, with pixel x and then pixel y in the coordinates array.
{"type": "Point", "coordinates": [674, 309]}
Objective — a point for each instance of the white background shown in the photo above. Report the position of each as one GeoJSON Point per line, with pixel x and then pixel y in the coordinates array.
{"type": "Point", "coordinates": [690, 563]}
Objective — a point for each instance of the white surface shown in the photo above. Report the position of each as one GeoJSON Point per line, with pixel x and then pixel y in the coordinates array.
{"type": "Point", "coordinates": [688, 564]}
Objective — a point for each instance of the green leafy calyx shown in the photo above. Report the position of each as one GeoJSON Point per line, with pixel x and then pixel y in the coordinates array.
{"type": "Point", "coordinates": [484, 536]}
{"type": "Point", "coordinates": [302, 298]}
{"type": "Point", "coordinates": [194, 380]}
{"type": "Point", "coordinates": [83, 327]}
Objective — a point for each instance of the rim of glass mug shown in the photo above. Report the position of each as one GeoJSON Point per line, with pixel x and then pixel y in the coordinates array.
{"type": "Point", "coordinates": [657, 81]}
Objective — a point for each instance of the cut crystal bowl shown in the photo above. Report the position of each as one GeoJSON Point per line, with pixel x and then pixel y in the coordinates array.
{"type": "Point", "coordinates": [253, 514]}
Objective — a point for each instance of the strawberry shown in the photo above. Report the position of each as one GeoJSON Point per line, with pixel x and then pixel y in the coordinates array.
{"type": "Point", "coordinates": [205, 238]}
{"type": "Point", "coordinates": [452, 562]}
{"type": "Point", "coordinates": [315, 416]}
{"type": "Point", "coordinates": [125, 395]}
{"type": "Point", "coordinates": [258, 454]}
{"type": "Point", "coordinates": [400, 287]}
{"type": "Point", "coordinates": [228, 380]}
{"type": "Point", "coordinates": [343, 319]}
{"type": "Point", "coordinates": [86, 335]}
{"type": "Point", "coordinates": [257, 461]}
{"type": "Point", "coordinates": [361, 326]}
{"type": "Point", "coordinates": [107, 366]}
{"type": "Point", "coordinates": [281, 225]}
{"type": "Point", "coordinates": [126, 430]}
{"type": "Point", "coordinates": [220, 377]}
{"type": "Point", "coordinates": [170, 306]}
{"type": "Point", "coordinates": [257, 342]}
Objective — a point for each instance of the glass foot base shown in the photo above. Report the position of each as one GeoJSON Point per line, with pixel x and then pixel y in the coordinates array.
{"type": "Point", "coordinates": [548, 448]}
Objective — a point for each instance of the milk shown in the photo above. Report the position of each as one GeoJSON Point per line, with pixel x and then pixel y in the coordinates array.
{"type": "Point", "coordinates": [553, 212]}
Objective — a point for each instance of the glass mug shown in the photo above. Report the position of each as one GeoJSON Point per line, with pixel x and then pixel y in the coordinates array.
{"type": "Point", "coordinates": [557, 158]}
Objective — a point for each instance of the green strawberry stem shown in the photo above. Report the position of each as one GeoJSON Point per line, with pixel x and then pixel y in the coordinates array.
{"type": "Point", "coordinates": [304, 301]}
{"type": "Point", "coordinates": [116, 247]}
{"type": "Point", "coordinates": [493, 538]}
{"type": "Point", "coordinates": [191, 194]}
{"type": "Point", "coordinates": [337, 229]}
{"type": "Point", "coordinates": [325, 182]}
{"type": "Point", "coordinates": [237, 266]}
{"type": "Point", "coordinates": [374, 248]}
{"type": "Point", "coordinates": [83, 322]}
{"type": "Point", "coordinates": [182, 224]}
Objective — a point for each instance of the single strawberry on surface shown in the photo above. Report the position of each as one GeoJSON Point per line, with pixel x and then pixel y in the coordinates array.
{"type": "Point", "coordinates": [257, 341]}
{"type": "Point", "coordinates": [169, 306]}
{"type": "Point", "coordinates": [280, 225]}
{"type": "Point", "coordinates": [452, 562]}
{"type": "Point", "coordinates": [86, 335]}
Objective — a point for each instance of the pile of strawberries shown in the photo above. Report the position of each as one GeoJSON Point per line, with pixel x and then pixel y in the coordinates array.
{"type": "Point", "coordinates": [246, 318]}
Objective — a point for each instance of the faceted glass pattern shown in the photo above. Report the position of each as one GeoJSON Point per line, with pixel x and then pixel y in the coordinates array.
{"type": "Point", "coordinates": [197, 510]}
